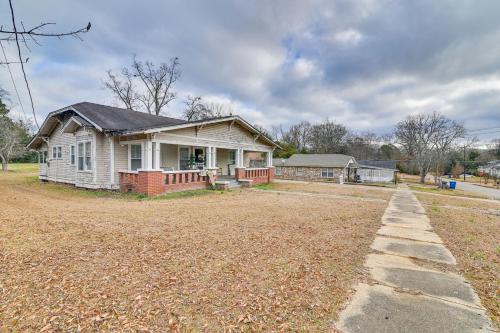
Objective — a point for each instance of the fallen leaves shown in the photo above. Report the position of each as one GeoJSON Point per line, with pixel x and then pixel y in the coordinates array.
{"type": "Point", "coordinates": [245, 261]}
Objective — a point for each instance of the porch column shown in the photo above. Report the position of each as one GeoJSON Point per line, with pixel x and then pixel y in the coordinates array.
{"type": "Point", "coordinates": [148, 155]}
{"type": "Point", "coordinates": [240, 163]}
{"type": "Point", "coordinates": [157, 156]}
{"type": "Point", "coordinates": [214, 157]}
{"type": "Point", "coordinates": [269, 156]}
{"type": "Point", "coordinates": [209, 157]}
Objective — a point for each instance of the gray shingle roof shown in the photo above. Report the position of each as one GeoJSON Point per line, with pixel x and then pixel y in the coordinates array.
{"type": "Point", "coordinates": [379, 163]}
{"type": "Point", "coordinates": [111, 118]}
{"type": "Point", "coordinates": [319, 160]}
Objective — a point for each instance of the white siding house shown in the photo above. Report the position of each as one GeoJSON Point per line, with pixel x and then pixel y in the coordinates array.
{"type": "Point", "coordinates": [90, 145]}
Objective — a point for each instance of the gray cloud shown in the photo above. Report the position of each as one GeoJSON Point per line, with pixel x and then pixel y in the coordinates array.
{"type": "Point", "coordinates": [367, 63]}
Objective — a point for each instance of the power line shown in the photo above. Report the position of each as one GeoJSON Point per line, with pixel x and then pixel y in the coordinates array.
{"type": "Point", "coordinates": [483, 129]}
{"type": "Point", "coordinates": [22, 64]}
{"type": "Point", "coordinates": [13, 82]}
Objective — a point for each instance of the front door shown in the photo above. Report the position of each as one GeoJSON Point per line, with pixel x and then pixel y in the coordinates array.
{"type": "Point", "coordinates": [199, 158]}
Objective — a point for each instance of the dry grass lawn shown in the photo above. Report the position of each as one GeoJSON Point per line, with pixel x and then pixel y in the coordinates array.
{"type": "Point", "coordinates": [334, 189]}
{"type": "Point", "coordinates": [238, 261]}
{"type": "Point", "coordinates": [471, 229]}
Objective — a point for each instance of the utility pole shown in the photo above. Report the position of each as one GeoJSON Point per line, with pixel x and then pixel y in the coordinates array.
{"type": "Point", "coordinates": [464, 163]}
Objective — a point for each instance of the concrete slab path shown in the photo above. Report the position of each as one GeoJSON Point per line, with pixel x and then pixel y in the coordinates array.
{"type": "Point", "coordinates": [405, 292]}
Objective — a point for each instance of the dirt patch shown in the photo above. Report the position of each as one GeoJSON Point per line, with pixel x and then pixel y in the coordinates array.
{"type": "Point", "coordinates": [239, 261]}
{"type": "Point", "coordinates": [472, 237]}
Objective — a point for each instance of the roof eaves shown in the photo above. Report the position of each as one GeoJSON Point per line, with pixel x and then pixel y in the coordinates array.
{"type": "Point", "coordinates": [151, 130]}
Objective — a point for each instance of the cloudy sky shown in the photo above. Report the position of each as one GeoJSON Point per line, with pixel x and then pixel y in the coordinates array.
{"type": "Point", "coordinates": [366, 64]}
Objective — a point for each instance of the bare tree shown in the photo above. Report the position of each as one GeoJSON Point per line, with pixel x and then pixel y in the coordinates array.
{"type": "Point", "coordinates": [31, 35]}
{"type": "Point", "coordinates": [156, 85]}
{"type": "Point", "coordinates": [363, 146]}
{"type": "Point", "coordinates": [298, 135]}
{"type": "Point", "coordinates": [327, 138]}
{"type": "Point", "coordinates": [427, 136]}
{"type": "Point", "coordinates": [197, 109]}
{"type": "Point", "coordinates": [158, 82]}
{"type": "Point", "coordinates": [447, 133]}
{"type": "Point", "coordinates": [219, 110]}
{"type": "Point", "coordinates": [123, 90]}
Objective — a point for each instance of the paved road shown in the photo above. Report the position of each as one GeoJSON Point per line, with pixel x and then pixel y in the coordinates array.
{"type": "Point", "coordinates": [403, 293]}
{"type": "Point", "coordinates": [489, 192]}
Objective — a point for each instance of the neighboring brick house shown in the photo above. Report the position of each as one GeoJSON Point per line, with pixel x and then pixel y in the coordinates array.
{"type": "Point", "coordinates": [316, 167]}
{"type": "Point", "coordinates": [102, 147]}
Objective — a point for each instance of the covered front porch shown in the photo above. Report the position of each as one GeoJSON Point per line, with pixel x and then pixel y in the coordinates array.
{"type": "Point", "coordinates": [156, 167]}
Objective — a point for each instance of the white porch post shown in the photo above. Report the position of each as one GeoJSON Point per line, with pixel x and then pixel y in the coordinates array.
{"type": "Point", "coordinates": [148, 154]}
{"type": "Point", "coordinates": [214, 158]}
{"type": "Point", "coordinates": [209, 157]}
{"type": "Point", "coordinates": [269, 159]}
{"type": "Point", "coordinates": [157, 153]}
{"type": "Point", "coordinates": [240, 163]}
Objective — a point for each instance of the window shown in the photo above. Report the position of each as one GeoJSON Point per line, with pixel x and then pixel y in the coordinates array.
{"type": "Point", "coordinates": [135, 157]}
{"type": "Point", "coordinates": [80, 156]}
{"type": "Point", "coordinates": [278, 171]}
{"type": "Point", "coordinates": [84, 156]}
{"type": "Point", "coordinates": [56, 152]}
{"type": "Point", "coordinates": [88, 155]}
{"type": "Point", "coordinates": [327, 172]}
{"type": "Point", "coordinates": [232, 157]}
{"type": "Point", "coordinates": [43, 156]}
{"type": "Point", "coordinates": [72, 157]}
{"type": "Point", "coordinates": [300, 172]}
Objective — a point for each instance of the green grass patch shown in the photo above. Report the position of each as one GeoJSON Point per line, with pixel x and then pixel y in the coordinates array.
{"type": "Point", "coordinates": [479, 255]}
{"type": "Point", "coordinates": [23, 167]}
{"type": "Point", "coordinates": [183, 194]}
{"type": "Point", "coordinates": [263, 186]}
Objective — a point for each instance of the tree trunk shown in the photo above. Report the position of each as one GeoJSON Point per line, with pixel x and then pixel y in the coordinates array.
{"type": "Point", "coordinates": [423, 173]}
{"type": "Point", "coordinates": [5, 165]}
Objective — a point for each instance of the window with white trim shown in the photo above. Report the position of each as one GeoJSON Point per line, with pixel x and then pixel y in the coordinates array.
{"type": "Point", "coordinates": [56, 152]}
{"type": "Point", "coordinates": [327, 172]}
{"type": "Point", "coordinates": [84, 153]}
{"type": "Point", "coordinates": [72, 154]}
{"type": "Point", "coordinates": [300, 172]}
{"type": "Point", "coordinates": [135, 157]}
{"type": "Point", "coordinates": [43, 156]}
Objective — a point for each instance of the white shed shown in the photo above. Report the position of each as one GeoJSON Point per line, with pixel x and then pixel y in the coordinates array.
{"type": "Point", "coordinates": [372, 174]}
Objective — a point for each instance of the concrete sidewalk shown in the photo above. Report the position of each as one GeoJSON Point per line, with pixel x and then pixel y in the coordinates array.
{"type": "Point", "coordinates": [405, 292]}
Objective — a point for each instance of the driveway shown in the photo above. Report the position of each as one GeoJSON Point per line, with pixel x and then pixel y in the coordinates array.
{"type": "Point", "coordinates": [489, 192]}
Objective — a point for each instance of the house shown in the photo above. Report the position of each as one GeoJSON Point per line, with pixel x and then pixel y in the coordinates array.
{"type": "Point", "coordinates": [317, 167]}
{"type": "Point", "coordinates": [102, 147]}
{"type": "Point", "coordinates": [491, 168]}
{"type": "Point", "coordinates": [334, 167]}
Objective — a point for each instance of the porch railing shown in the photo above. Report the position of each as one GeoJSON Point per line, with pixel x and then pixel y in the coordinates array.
{"type": "Point", "coordinates": [184, 177]}
{"type": "Point", "coordinates": [256, 172]}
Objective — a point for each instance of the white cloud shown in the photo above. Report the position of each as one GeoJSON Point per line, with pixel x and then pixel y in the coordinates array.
{"type": "Point", "coordinates": [348, 37]}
